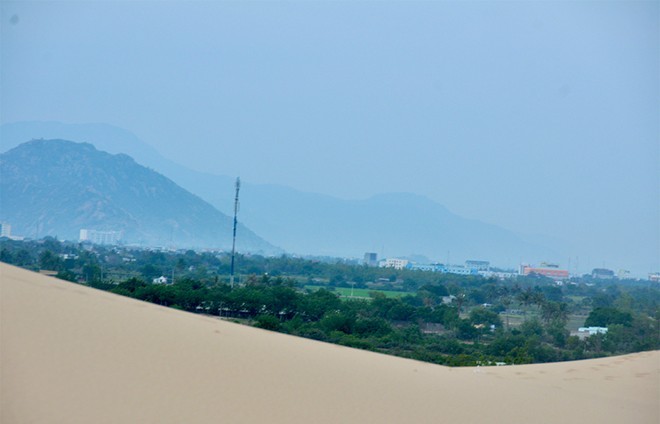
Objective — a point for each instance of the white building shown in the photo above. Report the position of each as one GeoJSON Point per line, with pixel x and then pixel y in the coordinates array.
{"type": "Point", "coordinates": [590, 331]}
{"type": "Point", "coordinates": [478, 265]}
{"type": "Point", "coordinates": [395, 263]}
{"type": "Point", "coordinates": [624, 274]}
{"type": "Point", "coordinates": [160, 280]}
{"type": "Point", "coordinates": [424, 267]}
{"type": "Point", "coordinates": [100, 237]}
{"type": "Point", "coordinates": [459, 270]}
{"type": "Point", "coordinates": [5, 230]}
{"type": "Point", "coordinates": [498, 274]}
{"type": "Point", "coordinates": [448, 299]}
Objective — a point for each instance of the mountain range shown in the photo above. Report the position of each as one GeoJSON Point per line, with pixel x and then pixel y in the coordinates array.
{"type": "Point", "coordinates": [394, 224]}
{"type": "Point", "coordinates": [58, 187]}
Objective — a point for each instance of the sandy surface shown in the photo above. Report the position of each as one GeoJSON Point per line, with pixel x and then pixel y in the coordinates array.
{"type": "Point", "coordinates": [70, 354]}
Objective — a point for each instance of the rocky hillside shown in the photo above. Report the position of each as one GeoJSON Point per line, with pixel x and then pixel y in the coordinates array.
{"type": "Point", "coordinates": [57, 187]}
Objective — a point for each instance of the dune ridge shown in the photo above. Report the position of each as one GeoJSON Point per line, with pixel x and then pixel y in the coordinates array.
{"type": "Point", "coordinates": [72, 354]}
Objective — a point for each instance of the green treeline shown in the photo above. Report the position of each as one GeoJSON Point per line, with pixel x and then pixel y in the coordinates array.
{"type": "Point", "coordinates": [419, 327]}
{"type": "Point", "coordinates": [439, 318]}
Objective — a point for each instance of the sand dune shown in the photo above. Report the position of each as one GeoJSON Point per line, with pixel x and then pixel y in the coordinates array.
{"type": "Point", "coordinates": [70, 354]}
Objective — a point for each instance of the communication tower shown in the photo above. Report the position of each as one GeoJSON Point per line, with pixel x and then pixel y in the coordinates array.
{"type": "Point", "coordinates": [233, 243]}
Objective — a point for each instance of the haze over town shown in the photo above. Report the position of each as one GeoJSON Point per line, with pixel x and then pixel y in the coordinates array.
{"type": "Point", "coordinates": [541, 118]}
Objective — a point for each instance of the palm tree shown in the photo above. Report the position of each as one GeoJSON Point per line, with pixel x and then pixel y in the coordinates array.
{"type": "Point", "coordinates": [554, 311]}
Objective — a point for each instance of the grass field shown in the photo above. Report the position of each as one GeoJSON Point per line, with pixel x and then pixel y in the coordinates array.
{"type": "Point", "coordinates": [575, 322]}
{"type": "Point", "coordinates": [514, 320]}
{"type": "Point", "coordinates": [347, 292]}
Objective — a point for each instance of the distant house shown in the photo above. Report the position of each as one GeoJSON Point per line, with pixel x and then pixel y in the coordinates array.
{"type": "Point", "coordinates": [448, 299]}
{"type": "Point", "coordinates": [478, 265]}
{"type": "Point", "coordinates": [584, 332]}
{"type": "Point", "coordinates": [395, 263]}
{"type": "Point", "coordinates": [68, 256]}
{"type": "Point", "coordinates": [432, 328]}
{"type": "Point", "coordinates": [160, 280]}
{"type": "Point", "coordinates": [602, 274]}
{"type": "Point", "coordinates": [593, 330]}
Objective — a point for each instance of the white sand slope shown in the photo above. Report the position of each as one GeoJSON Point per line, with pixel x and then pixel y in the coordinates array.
{"type": "Point", "coordinates": [71, 354]}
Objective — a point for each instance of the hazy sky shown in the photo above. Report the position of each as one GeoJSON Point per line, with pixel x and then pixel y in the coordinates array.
{"type": "Point", "coordinates": [542, 117]}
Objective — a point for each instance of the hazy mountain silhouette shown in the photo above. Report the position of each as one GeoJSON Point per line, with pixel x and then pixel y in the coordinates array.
{"type": "Point", "coordinates": [57, 187]}
{"type": "Point", "coordinates": [310, 223]}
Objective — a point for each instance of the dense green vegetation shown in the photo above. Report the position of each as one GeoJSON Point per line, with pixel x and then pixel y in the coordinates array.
{"type": "Point", "coordinates": [440, 318]}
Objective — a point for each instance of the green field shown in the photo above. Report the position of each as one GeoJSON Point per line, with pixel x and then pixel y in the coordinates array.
{"type": "Point", "coordinates": [514, 320]}
{"type": "Point", "coordinates": [575, 321]}
{"type": "Point", "coordinates": [348, 293]}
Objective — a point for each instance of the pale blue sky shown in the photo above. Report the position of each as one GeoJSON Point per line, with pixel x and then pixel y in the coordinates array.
{"type": "Point", "coordinates": [542, 117]}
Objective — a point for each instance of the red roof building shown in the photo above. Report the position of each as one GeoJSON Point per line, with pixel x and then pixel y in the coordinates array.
{"type": "Point", "coordinates": [550, 271]}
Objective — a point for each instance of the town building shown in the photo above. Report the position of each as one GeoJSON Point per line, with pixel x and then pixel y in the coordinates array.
{"type": "Point", "coordinates": [602, 274]}
{"type": "Point", "coordinates": [477, 265]}
{"type": "Point", "coordinates": [546, 269]}
{"type": "Point", "coordinates": [448, 299]}
{"type": "Point", "coordinates": [500, 275]}
{"type": "Point", "coordinates": [584, 332]}
{"type": "Point", "coordinates": [424, 267]}
{"type": "Point", "coordinates": [624, 274]}
{"type": "Point", "coordinates": [370, 259]}
{"type": "Point", "coordinates": [445, 269]}
{"type": "Point", "coordinates": [160, 280]}
{"type": "Point", "coordinates": [395, 263]}
{"type": "Point", "coordinates": [100, 237]}
{"type": "Point", "coordinates": [593, 330]}
{"type": "Point", "coordinates": [5, 230]}
{"type": "Point", "coordinates": [459, 270]}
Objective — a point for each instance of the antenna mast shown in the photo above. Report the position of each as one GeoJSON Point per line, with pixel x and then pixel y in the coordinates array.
{"type": "Point", "coordinates": [233, 243]}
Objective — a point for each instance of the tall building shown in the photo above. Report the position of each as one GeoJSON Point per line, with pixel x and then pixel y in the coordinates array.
{"type": "Point", "coordinates": [370, 259]}
{"type": "Point", "coordinates": [5, 230]}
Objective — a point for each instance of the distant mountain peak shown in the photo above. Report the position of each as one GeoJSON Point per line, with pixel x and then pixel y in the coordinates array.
{"type": "Point", "coordinates": [58, 187]}
{"type": "Point", "coordinates": [312, 223]}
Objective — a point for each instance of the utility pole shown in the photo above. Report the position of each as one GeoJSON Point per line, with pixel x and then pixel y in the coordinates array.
{"type": "Point", "coordinates": [233, 243]}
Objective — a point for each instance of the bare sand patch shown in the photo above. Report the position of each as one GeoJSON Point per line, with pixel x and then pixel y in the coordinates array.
{"type": "Point", "coordinates": [71, 354]}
